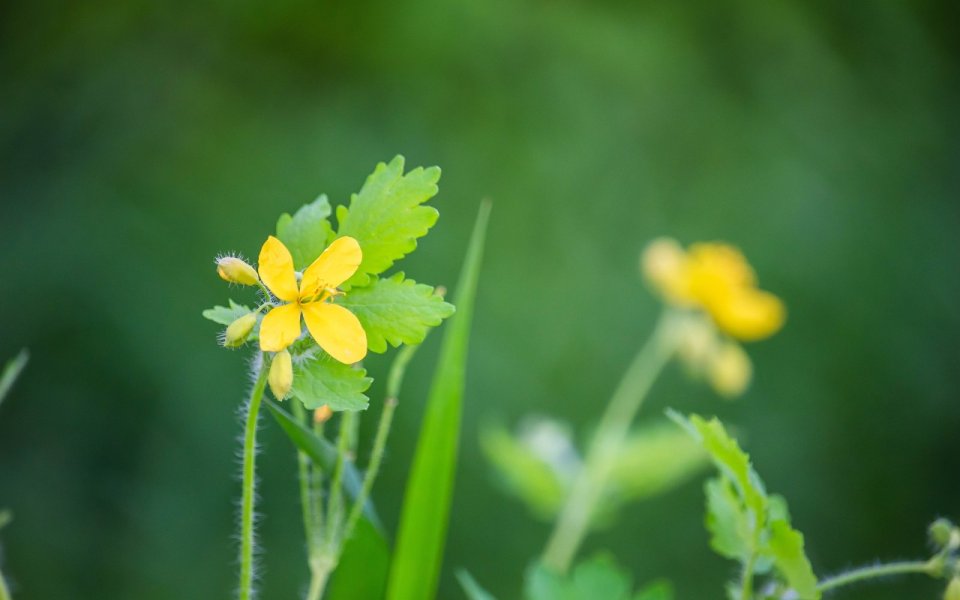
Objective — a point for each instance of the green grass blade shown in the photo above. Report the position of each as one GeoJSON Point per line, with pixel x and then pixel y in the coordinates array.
{"type": "Point", "coordinates": [415, 568]}
{"type": "Point", "coordinates": [322, 453]}
{"type": "Point", "coordinates": [11, 371]}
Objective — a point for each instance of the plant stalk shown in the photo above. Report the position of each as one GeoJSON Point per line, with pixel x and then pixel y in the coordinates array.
{"type": "Point", "coordinates": [588, 487]}
{"type": "Point", "coordinates": [923, 567]}
{"type": "Point", "coordinates": [249, 482]}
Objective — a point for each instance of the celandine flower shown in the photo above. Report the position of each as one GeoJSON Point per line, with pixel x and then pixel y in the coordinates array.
{"type": "Point", "coordinates": [717, 279]}
{"type": "Point", "coordinates": [334, 328]}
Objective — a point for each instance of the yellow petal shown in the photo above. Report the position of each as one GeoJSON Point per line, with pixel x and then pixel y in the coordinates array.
{"type": "Point", "coordinates": [664, 264]}
{"type": "Point", "coordinates": [276, 270]}
{"type": "Point", "coordinates": [335, 265]}
{"type": "Point", "coordinates": [280, 328]}
{"type": "Point", "coordinates": [749, 314]}
{"type": "Point", "coordinates": [336, 330]}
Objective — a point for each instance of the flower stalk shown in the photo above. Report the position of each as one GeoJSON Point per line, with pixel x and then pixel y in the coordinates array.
{"type": "Point", "coordinates": [249, 483]}
{"type": "Point", "coordinates": [588, 487]}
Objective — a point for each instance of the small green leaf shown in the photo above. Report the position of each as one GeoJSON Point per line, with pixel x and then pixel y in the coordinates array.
{"type": "Point", "coordinates": [226, 314]}
{"type": "Point", "coordinates": [361, 572]}
{"type": "Point", "coordinates": [658, 590]}
{"type": "Point", "coordinates": [396, 311]}
{"type": "Point", "coordinates": [306, 233]}
{"type": "Point", "coordinates": [471, 588]}
{"type": "Point", "coordinates": [11, 371]}
{"type": "Point", "coordinates": [321, 452]}
{"type": "Point", "coordinates": [593, 579]}
{"type": "Point", "coordinates": [523, 473]}
{"type": "Point", "coordinates": [727, 521]}
{"type": "Point", "coordinates": [388, 216]}
{"type": "Point", "coordinates": [418, 552]}
{"type": "Point", "coordinates": [785, 546]}
{"type": "Point", "coordinates": [323, 380]}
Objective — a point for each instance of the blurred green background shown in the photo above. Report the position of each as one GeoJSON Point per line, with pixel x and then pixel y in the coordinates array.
{"type": "Point", "coordinates": [138, 140]}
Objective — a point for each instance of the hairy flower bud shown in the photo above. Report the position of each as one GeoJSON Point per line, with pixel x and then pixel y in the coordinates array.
{"type": "Point", "coordinates": [238, 331]}
{"type": "Point", "coordinates": [322, 414]}
{"type": "Point", "coordinates": [280, 377]}
{"type": "Point", "coordinates": [729, 370]}
{"type": "Point", "coordinates": [234, 270]}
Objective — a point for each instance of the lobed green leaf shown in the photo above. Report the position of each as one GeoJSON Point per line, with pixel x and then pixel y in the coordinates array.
{"type": "Point", "coordinates": [395, 311]}
{"type": "Point", "coordinates": [387, 216]}
{"type": "Point", "coordinates": [225, 315]}
{"type": "Point", "coordinates": [523, 473]}
{"type": "Point", "coordinates": [323, 380]}
{"type": "Point", "coordinates": [307, 232]}
{"type": "Point", "coordinates": [595, 578]}
{"type": "Point", "coordinates": [785, 547]}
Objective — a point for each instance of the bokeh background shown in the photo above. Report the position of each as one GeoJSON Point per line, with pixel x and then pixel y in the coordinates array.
{"type": "Point", "coordinates": [138, 140]}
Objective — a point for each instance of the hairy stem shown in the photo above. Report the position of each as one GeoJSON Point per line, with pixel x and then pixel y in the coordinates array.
{"type": "Point", "coordinates": [394, 381]}
{"type": "Point", "coordinates": [574, 519]}
{"type": "Point", "coordinates": [249, 482]}
{"type": "Point", "coordinates": [924, 567]}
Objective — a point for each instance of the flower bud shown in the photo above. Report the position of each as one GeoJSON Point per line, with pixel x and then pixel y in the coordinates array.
{"type": "Point", "coordinates": [729, 370]}
{"type": "Point", "coordinates": [238, 331]}
{"type": "Point", "coordinates": [322, 414]}
{"type": "Point", "coordinates": [234, 270]}
{"type": "Point", "coordinates": [662, 263]}
{"type": "Point", "coordinates": [280, 377]}
{"type": "Point", "coordinates": [953, 590]}
{"type": "Point", "coordinates": [940, 532]}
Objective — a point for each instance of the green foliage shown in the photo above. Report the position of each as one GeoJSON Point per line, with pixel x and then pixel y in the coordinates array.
{"type": "Point", "coordinates": [387, 216]}
{"type": "Point", "coordinates": [598, 577]}
{"type": "Point", "coordinates": [423, 521]}
{"type": "Point", "coordinates": [307, 232]}
{"type": "Point", "coordinates": [11, 371]}
{"type": "Point", "coordinates": [523, 473]}
{"type": "Point", "coordinates": [745, 523]}
{"type": "Point", "coordinates": [5, 517]}
{"type": "Point", "coordinates": [323, 380]}
{"type": "Point", "coordinates": [396, 310]}
{"type": "Point", "coordinates": [471, 588]}
{"type": "Point", "coordinates": [363, 566]}
{"type": "Point", "coordinates": [225, 315]}
{"type": "Point", "coordinates": [322, 453]}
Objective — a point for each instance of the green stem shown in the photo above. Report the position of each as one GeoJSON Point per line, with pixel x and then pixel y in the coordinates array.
{"type": "Point", "coordinates": [303, 474]}
{"type": "Point", "coordinates": [394, 381]}
{"type": "Point", "coordinates": [928, 567]}
{"type": "Point", "coordinates": [574, 519]}
{"type": "Point", "coordinates": [746, 579]}
{"type": "Point", "coordinates": [335, 502]}
{"type": "Point", "coordinates": [4, 591]}
{"type": "Point", "coordinates": [249, 481]}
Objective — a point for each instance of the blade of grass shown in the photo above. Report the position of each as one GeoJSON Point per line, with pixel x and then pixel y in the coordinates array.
{"type": "Point", "coordinates": [415, 568]}
{"type": "Point", "coordinates": [11, 371]}
{"type": "Point", "coordinates": [323, 453]}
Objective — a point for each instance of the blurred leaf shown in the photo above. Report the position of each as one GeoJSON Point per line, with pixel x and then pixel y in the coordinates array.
{"type": "Point", "coordinates": [388, 216]}
{"type": "Point", "coordinates": [323, 453]}
{"type": "Point", "coordinates": [658, 590]}
{"type": "Point", "coordinates": [746, 524]}
{"type": "Point", "coordinates": [5, 517]}
{"type": "Point", "coordinates": [307, 232]}
{"type": "Point", "coordinates": [471, 588]}
{"type": "Point", "coordinates": [596, 578]}
{"type": "Point", "coordinates": [361, 573]}
{"type": "Point", "coordinates": [324, 380]}
{"type": "Point", "coordinates": [785, 546]}
{"type": "Point", "coordinates": [226, 314]}
{"type": "Point", "coordinates": [654, 459]}
{"type": "Point", "coordinates": [523, 473]}
{"type": "Point", "coordinates": [396, 310]}
{"type": "Point", "coordinates": [11, 371]}
{"type": "Point", "coordinates": [426, 508]}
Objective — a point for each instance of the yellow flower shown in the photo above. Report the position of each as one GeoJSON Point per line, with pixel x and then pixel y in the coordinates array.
{"type": "Point", "coordinates": [333, 327]}
{"type": "Point", "coordinates": [729, 370]}
{"type": "Point", "coordinates": [718, 279]}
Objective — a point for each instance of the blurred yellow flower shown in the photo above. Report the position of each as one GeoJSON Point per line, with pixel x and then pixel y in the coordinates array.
{"type": "Point", "coordinates": [718, 279]}
{"type": "Point", "coordinates": [334, 328]}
